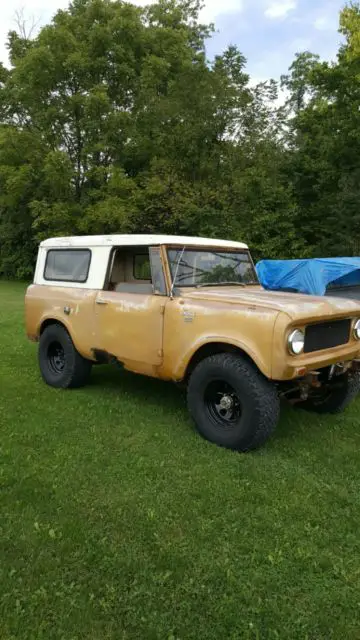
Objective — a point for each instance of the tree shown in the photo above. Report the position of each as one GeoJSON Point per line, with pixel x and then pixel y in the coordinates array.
{"type": "Point", "coordinates": [324, 165]}
{"type": "Point", "coordinates": [133, 129]}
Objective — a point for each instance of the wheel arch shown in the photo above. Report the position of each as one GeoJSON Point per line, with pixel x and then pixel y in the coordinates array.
{"type": "Point", "coordinates": [213, 347]}
{"type": "Point", "coordinates": [53, 321]}
{"type": "Point", "coordinates": [48, 322]}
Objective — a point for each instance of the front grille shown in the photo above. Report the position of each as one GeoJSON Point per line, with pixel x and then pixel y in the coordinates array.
{"type": "Point", "coordinates": [326, 335]}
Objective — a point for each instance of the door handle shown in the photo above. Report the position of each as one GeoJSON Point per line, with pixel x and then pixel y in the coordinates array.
{"type": "Point", "coordinates": [100, 301]}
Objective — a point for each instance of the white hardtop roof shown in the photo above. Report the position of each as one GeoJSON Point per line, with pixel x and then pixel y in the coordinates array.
{"type": "Point", "coordinates": [130, 240]}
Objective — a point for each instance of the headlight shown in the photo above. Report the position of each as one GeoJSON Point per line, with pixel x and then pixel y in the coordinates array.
{"type": "Point", "coordinates": [357, 329]}
{"type": "Point", "coordinates": [296, 341]}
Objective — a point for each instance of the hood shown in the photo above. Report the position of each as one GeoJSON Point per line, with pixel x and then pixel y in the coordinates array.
{"type": "Point", "coordinates": [296, 305]}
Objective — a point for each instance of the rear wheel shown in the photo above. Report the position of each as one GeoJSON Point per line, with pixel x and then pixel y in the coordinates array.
{"type": "Point", "coordinates": [232, 404]}
{"type": "Point", "coordinates": [335, 396]}
{"type": "Point", "coordinates": [60, 364]}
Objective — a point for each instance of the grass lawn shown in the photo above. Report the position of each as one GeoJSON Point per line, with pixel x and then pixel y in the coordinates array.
{"type": "Point", "coordinates": [118, 521]}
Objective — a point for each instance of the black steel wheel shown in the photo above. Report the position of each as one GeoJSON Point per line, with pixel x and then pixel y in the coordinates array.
{"type": "Point", "coordinates": [56, 357]}
{"type": "Point", "coordinates": [231, 402]}
{"type": "Point", "coordinates": [223, 404]}
{"type": "Point", "coordinates": [60, 363]}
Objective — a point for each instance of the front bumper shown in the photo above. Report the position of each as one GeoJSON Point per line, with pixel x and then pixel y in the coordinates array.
{"type": "Point", "coordinates": [291, 367]}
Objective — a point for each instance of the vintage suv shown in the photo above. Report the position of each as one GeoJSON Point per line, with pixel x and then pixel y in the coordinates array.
{"type": "Point", "coordinates": [191, 310]}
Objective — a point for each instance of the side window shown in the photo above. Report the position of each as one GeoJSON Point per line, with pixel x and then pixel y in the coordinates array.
{"type": "Point", "coordinates": [67, 265]}
{"type": "Point", "coordinates": [137, 270]}
{"type": "Point", "coordinates": [157, 272]}
{"type": "Point", "coordinates": [142, 270]}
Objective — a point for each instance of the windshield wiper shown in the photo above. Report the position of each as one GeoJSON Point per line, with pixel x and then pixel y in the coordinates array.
{"type": "Point", "coordinates": [218, 284]}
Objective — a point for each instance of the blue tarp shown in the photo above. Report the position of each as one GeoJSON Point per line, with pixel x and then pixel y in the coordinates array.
{"type": "Point", "coordinates": [311, 276]}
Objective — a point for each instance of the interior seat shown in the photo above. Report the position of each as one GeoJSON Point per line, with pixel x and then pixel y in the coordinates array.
{"type": "Point", "coordinates": [117, 274]}
{"type": "Point", "coordinates": [118, 281]}
{"type": "Point", "coordinates": [134, 287]}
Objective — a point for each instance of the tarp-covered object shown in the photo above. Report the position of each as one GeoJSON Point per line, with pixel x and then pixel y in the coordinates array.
{"type": "Point", "coordinates": [311, 276]}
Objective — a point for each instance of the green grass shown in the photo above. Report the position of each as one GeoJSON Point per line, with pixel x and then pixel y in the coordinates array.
{"type": "Point", "coordinates": [118, 521]}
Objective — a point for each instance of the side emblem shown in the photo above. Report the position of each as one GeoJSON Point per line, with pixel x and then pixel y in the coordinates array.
{"type": "Point", "coordinates": [188, 315]}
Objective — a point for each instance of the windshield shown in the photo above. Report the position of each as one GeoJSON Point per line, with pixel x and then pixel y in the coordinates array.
{"type": "Point", "coordinates": [209, 267]}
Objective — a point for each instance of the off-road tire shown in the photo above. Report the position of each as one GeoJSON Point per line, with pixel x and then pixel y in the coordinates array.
{"type": "Point", "coordinates": [336, 399]}
{"type": "Point", "coordinates": [76, 369]}
{"type": "Point", "coordinates": [258, 399]}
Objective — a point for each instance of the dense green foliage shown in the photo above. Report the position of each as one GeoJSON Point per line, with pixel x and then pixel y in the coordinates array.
{"type": "Point", "coordinates": [113, 120]}
{"type": "Point", "coordinates": [118, 522]}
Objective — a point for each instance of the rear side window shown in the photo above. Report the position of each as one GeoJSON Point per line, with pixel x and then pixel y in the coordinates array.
{"type": "Point", "coordinates": [67, 265]}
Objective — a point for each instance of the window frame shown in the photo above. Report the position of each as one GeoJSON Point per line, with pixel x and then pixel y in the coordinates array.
{"type": "Point", "coordinates": [150, 249]}
{"type": "Point", "coordinates": [154, 254]}
{"type": "Point", "coordinates": [209, 249]}
{"type": "Point", "coordinates": [73, 250]}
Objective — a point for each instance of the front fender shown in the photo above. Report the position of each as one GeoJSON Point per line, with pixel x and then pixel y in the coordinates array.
{"type": "Point", "coordinates": [190, 326]}
{"type": "Point", "coordinates": [260, 361]}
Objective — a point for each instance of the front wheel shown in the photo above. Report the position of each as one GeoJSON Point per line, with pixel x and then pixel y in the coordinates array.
{"type": "Point", "coordinates": [231, 402]}
{"type": "Point", "coordinates": [60, 364]}
{"type": "Point", "coordinates": [335, 396]}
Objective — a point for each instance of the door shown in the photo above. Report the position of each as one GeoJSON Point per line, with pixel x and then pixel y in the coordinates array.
{"type": "Point", "coordinates": [129, 326]}
{"type": "Point", "coordinates": [130, 317]}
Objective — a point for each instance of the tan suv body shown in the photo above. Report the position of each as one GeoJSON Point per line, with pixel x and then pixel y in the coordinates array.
{"type": "Point", "coordinates": [191, 309]}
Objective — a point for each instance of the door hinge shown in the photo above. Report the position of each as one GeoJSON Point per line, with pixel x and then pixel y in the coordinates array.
{"type": "Point", "coordinates": [160, 353]}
